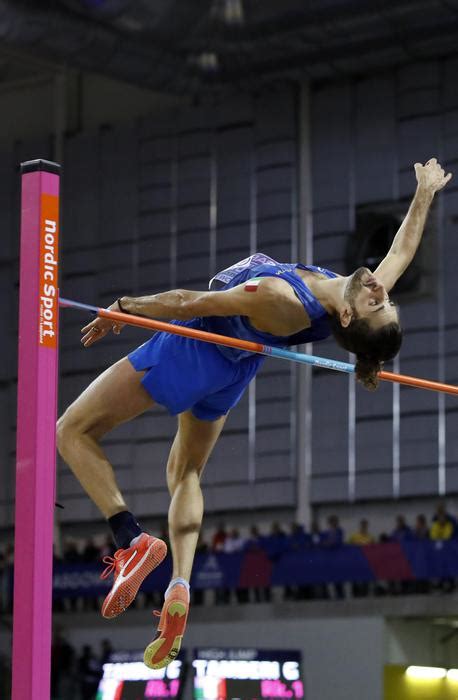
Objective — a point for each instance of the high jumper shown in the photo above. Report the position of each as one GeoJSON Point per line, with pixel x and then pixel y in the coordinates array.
{"type": "Point", "coordinates": [257, 299]}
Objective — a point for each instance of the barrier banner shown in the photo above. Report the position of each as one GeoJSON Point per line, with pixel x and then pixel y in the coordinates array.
{"type": "Point", "coordinates": [391, 561]}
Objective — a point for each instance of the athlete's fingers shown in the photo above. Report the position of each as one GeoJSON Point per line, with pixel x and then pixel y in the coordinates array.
{"type": "Point", "coordinates": [93, 335]}
{"type": "Point", "coordinates": [90, 325]}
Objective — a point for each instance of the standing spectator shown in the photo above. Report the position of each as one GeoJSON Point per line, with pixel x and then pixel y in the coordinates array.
{"type": "Point", "coordinates": [89, 673]}
{"type": "Point", "coordinates": [106, 650]}
{"type": "Point", "coordinates": [442, 527]}
{"type": "Point", "coordinates": [108, 548]}
{"type": "Point", "coordinates": [441, 512]}
{"type": "Point", "coordinates": [254, 540]}
{"type": "Point", "coordinates": [8, 576]}
{"type": "Point", "coordinates": [298, 541]}
{"type": "Point", "coordinates": [333, 538]}
{"type": "Point", "coordinates": [253, 544]}
{"type": "Point", "coordinates": [362, 536]}
{"type": "Point", "coordinates": [222, 595]}
{"type": "Point", "coordinates": [315, 533]}
{"type": "Point", "coordinates": [277, 541]}
{"type": "Point", "coordinates": [62, 668]}
{"type": "Point", "coordinates": [234, 542]}
{"type": "Point", "coordinates": [421, 530]}
{"type": "Point", "coordinates": [91, 553]}
{"type": "Point", "coordinates": [402, 531]}
{"type": "Point", "coordinates": [71, 554]}
{"type": "Point", "coordinates": [198, 594]}
{"type": "Point", "coordinates": [4, 584]}
{"type": "Point", "coordinates": [421, 534]}
{"type": "Point", "coordinates": [219, 538]}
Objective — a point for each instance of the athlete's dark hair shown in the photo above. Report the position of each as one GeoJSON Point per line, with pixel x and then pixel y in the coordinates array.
{"type": "Point", "coordinates": [371, 347]}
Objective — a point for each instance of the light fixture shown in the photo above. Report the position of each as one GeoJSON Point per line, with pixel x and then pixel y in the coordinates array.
{"type": "Point", "coordinates": [230, 12]}
{"type": "Point", "coordinates": [452, 674]}
{"type": "Point", "coordinates": [426, 672]}
{"type": "Point", "coordinates": [207, 61]}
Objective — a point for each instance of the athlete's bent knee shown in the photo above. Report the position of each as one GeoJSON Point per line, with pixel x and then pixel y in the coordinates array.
{"type": "Point", "coordinates": [64, 431]}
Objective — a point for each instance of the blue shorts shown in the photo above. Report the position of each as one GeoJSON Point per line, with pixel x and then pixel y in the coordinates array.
{"type": "Point", "coordinates": [186, 374]}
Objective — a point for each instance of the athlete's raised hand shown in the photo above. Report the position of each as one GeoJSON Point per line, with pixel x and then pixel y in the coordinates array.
{"type": "Point", "coordinates": [99, 327]}
{"type": "Point", "coordinates": [431, 176]}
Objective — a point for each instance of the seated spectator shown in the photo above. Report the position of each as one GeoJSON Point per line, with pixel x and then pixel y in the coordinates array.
{"type": "Point", "coordinates": [442, 527]}
{"type": "Point", "coordinates": [362, 536]}
{"type": "Point", "coordinates": [234, 542]}
{"type": "Point", "coordinates": [334, 535]}
{"type": "Point", "coordinates": [421, 530]}
{"type": "Point", "coordinates": [219, 538]}
{"type": "Point", "coordinates": [402, 531]}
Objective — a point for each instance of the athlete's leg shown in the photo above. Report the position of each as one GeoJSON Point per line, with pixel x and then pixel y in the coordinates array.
{"type": "Point", "coordinates": [190, 451]}
{"type": "Point", "coordinates": [191, 448]}
{"type": "Point", "coordinates": [114, 397]}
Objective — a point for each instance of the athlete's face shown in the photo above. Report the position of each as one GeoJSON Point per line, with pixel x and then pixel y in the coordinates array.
{"type": "Point", "coordinates": [369, 300]}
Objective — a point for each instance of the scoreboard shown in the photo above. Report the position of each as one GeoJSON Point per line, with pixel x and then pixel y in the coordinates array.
{"type": "Point", "coordinates": [247, 674]}
{"type": "Point", "coordinates": [126, 677]}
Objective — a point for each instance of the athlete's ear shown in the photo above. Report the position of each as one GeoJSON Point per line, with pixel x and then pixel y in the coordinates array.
{"type": "Point", "coordinates": [345, 315]}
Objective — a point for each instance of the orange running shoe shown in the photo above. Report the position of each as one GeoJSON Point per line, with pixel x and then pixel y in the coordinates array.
{"type": "Point", "coordinates": [131, 566]}
{"type": "Point", "coordinates": [165, 646]}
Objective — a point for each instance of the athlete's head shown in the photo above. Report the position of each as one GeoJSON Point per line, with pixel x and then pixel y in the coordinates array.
{"type": "Point", "coordinates": [367, 325]}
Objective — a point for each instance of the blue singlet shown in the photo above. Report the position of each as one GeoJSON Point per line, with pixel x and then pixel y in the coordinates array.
{"type": "Point", "coordinates": [186, 374]}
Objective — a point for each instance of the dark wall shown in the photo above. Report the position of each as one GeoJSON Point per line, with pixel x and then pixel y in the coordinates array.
{"type": "Point", "coordinates": [160, 204]}
{"type": "Point", "coordinates": [367, 135]}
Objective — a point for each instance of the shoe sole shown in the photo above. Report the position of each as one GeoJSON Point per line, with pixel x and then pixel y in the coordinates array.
{"type": "Point", "coordinates": [175, 625]}
{"type": "Point", "coordinates": [117, 602]}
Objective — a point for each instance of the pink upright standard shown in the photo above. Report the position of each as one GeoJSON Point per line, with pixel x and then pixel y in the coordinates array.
{"type": "Point", "coordinates": [36, 432]}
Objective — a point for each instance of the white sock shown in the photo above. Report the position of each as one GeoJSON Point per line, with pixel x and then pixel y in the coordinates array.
{"type": "Point", "coordinates": [135, 540]}
{"type": "Point", "coordinates": [174, 582]}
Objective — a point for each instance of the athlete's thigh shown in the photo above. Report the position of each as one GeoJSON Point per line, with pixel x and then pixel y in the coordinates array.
{"type": "Point", "coordinates": [195, 439]}
{"type": "Point", "coordinates": [114, 397]}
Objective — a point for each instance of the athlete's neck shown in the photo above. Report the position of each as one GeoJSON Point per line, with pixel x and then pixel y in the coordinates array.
{"type": "Point", "coordinates": [328, 291]}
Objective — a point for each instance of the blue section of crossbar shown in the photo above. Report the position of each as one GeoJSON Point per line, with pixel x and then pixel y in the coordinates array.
{"type": "Point", "coordinates": [69, 303]}
{"type": "Point", "coordinates": [309, 359]}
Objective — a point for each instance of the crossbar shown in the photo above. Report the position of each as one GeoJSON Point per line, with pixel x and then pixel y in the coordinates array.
{"type": "Point", "coordinates": [259, 348]}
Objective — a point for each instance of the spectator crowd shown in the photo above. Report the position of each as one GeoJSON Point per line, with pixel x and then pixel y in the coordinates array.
{"type": "Point", "coordinates": [279, 540]}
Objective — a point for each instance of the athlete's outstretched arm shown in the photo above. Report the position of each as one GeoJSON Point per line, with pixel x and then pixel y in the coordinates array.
{"type": "Point", "coordinates": [273, 308]}
{"type": "Point", "coordinates": [431, 178]}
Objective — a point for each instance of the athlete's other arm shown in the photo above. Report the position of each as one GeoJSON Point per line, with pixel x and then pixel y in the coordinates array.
{"type": "Point", "coordinates": [273, 308]}
{"type": "Point", "coordinates": [430, 178]}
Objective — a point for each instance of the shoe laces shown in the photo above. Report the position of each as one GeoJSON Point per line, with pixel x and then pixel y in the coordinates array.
{"type": "Point", "coordinates": [113, 562]}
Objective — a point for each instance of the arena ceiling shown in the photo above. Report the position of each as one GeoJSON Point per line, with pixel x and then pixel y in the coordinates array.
{"type": "Point", "coordinates": [187, 46]}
